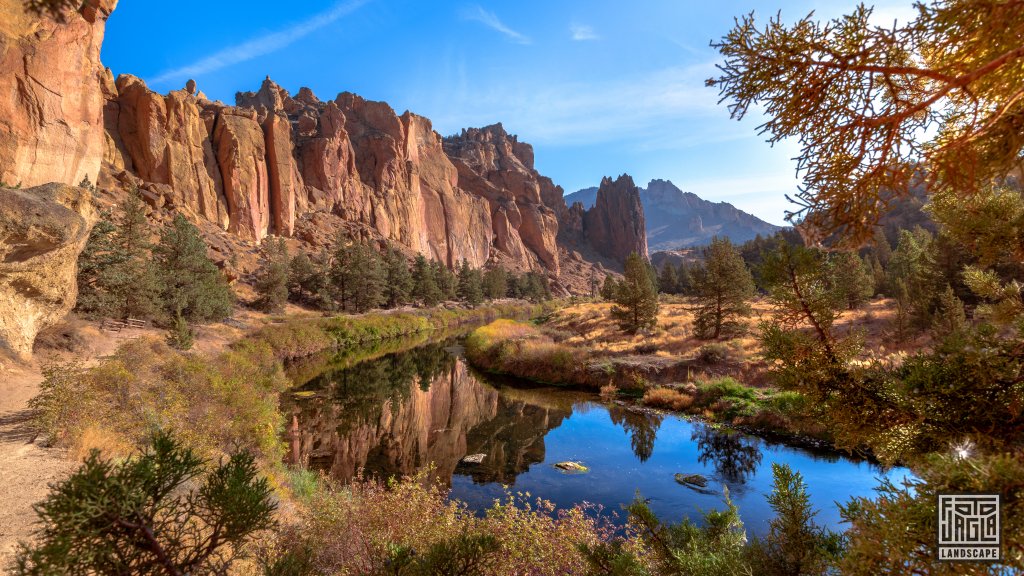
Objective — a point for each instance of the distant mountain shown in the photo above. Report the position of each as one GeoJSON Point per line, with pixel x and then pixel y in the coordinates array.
{"type": "Point", "coordinates": [677, 219]}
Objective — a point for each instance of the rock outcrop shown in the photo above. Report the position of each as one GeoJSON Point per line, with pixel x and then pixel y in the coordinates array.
{"type": "Point", "coordinates": [613, 227]}
{"type": "Point", "coordinates": [42, 232]}
{"type": "Point", "coordinates": [51, 100]}
{"type": "Point", "coordinates": [496, 166]}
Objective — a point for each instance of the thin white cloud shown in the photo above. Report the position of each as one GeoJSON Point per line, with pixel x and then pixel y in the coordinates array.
{"type": "Point", "coordinates": [259, 46]}
{"type": "Point", "coordinates": [645, 107]}
{"type": "Point", "coordinates": [582, 32]}
{"type": "Point", "coordinates": [491, 20]}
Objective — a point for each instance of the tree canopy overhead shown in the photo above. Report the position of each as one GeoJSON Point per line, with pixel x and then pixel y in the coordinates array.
{"type": "Point", "coordinates": [880, 109]}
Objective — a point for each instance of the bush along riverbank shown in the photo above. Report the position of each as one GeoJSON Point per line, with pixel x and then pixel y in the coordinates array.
{"type": "Point", "coordinates": [221, 403]}
{"type": "Point", "coordinates": [523, 350]}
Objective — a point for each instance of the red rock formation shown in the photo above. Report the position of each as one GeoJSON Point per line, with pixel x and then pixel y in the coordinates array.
{"type": "Point", "coordinates": [496, 166]}
{"type": "Point", "coordinates": [51, 100]}
{"type": "Point", "coordinates": [615, 226]}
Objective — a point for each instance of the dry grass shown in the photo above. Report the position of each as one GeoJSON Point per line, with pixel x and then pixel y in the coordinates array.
{"type": "Point", "coordinates": [668, 399]}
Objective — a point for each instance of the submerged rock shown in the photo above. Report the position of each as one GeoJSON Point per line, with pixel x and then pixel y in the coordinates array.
{"type": "Point", "coordinates": [571, 466]}
{"type": "Point", "coordinates": [474, 459]}
{"type": "Point", "coordinates": [692, 480]}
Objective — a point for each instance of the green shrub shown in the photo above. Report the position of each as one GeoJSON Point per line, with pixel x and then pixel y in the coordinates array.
{"type": "Point", "coordinates": [714, 353]}
{"type": "Point", "coordinates": [164, 511]}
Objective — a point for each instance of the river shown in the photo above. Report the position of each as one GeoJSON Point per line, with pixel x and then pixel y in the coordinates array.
{"type": "Point", "coordinates": [399, 412]}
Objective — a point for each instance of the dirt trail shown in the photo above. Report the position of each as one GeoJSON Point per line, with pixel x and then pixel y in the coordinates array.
{"type": "Point", "coordinates": [26, 467]}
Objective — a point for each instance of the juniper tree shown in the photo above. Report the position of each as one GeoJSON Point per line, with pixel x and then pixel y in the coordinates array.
{"type": "Point", "coordinates": [272, 281]}
{"type": "Point", "coordinates": [636, 297]}
{"type": "Point", "coordinates": [722, 287]}
{"type": "Point", "coordinates": [163, 512]}
{"type": "Point", "coordinates": [858, 98]}
{"type": "Point", "coordinates": [851, 277]}
{"type": "Point", "coordinates": [193, 287]}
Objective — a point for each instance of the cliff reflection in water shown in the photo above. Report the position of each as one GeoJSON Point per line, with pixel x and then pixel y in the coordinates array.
{"type": "Point", "coordinates": [404, 411]}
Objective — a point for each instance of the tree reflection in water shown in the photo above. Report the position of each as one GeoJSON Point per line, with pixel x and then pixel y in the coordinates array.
{"type": "Point", "coordinates": [641, 426]}
{"type": "Point", "coordinates": [734, 455]}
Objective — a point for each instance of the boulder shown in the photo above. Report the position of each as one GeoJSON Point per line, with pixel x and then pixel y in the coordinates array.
{"type": "Point", "coordinates": [42, 232]}
{"type": "Point", "coordinates": [474, 459]}
{"type": "Point", "coordinates": [692, 480]}
{"type": "Point", "coordinates": [572, 467]}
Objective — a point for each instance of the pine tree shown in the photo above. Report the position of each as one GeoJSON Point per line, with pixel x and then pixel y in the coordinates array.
{"type": "Point", "coordinates": [496, 283]}
{"type": "Point", "coordinates": [609, 288]}
{"type": "Point", "coordinates": [852, 277]}
{"type": "Point", "coordinates": [470, 284]}
{"type": "Point", "coordinates": [684, 279]}
{"type": "Point", "coordinates": [272, 282]}
{"type": "Point", "coordinates": [722, 287]}
{"type": "Point", "coordinates": [533, 287]}
{"type": "Point", "coordinates": [636, 299]}
{"type": "Point", "coordinates": [425, 287]}
{"type": "Point", "coordinates": [366, 278]}
{"type": "Point", "coordinates": [399, 285]}
{"type": "Point", "coordinates": [446, 281]}
{"type": "Point", "coordinates": [301, 273]}
{"type": "Point", "coordinates": [950, 318]}
{"type": "Point", "coordinates": [94, 297]}
{"type": "Point", "coordinates": [192, 285]}
{"type": "Point", "coordinates": [667, 281]}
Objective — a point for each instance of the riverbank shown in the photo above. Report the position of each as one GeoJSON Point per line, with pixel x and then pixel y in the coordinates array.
{"type": "Point", "coordinates": [684, 385]}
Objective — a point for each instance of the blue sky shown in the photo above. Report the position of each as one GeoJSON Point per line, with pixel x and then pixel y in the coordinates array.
{"type": "Point", "coordinates": [599, 87]}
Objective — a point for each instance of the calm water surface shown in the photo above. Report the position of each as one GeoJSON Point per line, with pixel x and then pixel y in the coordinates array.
{"type": "Point", "coordinates": [401, 412]}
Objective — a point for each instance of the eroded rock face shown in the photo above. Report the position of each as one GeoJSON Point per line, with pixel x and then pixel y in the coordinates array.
{"type": "Point", "coordinates": [496, 166]}
{"type": "Point", "coordinates": [51, 100]}
{"type": "Point", "coordinates": [42, 232]}
{"type": "Point", "coordinates": [615, 227]}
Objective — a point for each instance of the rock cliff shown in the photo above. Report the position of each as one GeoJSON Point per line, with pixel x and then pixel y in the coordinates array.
{"type": "Point", "coordinates": [42, 232]}
{"type": "Point", "coordinates": [281, 164]}
{"type": "Point", "coordinates": [51, 102]}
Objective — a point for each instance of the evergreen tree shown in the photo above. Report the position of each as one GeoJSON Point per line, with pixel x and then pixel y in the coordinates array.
{"type": "Point", "coordinates": [365, 277]}
{"type": "Point", "coordinates": [116, 275]}
{"type": "Point", "coordinates": [94, 264]}
{"type": "Point", "coordinates": [609, 288]}
{"type": "Point", "coordinates": [192, 285]}
{"type": "Point", "coordinates": [912, 264]}
{"type": "Point", "coordinates": [533, 286]}
{"type": "Point", "coordinates": [425, 287]}
{"type": "Point", "coordinates": [470, 284]}
{"type": "Point", "coordinates": [180, 336]}
{"type": "Point", "coordinates": [636, 299]}
{"type": "Point", "coordinates": [496, 283]}
{"type": "Point", "coordinates": [667, 281]}
{"type": "Point", "coordinates": [848, 273]}
{"type": "Point", "coordinates": [272, 281]}
{"type": "Point", "coordinates": [684, 279]}
{"type": "Point", "coordinates": [722, 287]}
{"type": "Point", "coordinates": [339, 273]}
{"type": "Point", "coordinates": [399, 284]}
{"type": "Point", "coordinates": [950, 318]}
{"type": "Point", "coordinates": [164, 511]}
{"type": "Point", "coordinates": [301, 278]}
{"type": "Point", "coordinates": [447, 283]}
